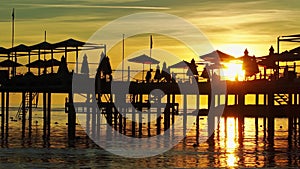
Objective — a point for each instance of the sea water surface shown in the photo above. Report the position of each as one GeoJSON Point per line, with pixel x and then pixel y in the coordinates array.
{"type": "Point", "coordinates": [228, 150]}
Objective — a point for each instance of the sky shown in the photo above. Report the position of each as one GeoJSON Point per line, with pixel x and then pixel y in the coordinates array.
{"type": "Point", "coordinates": [230, 26]}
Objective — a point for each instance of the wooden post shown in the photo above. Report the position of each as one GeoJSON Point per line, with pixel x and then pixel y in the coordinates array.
{"type": "Point", "coordinates": [98, 117]}
{"type": "Point", "coordinates": [290, 128]}
{"type": "Point", "coordinates": [197, 128]}
{"type": "Point", "coordinates": [158, 117]}
{"type": "Point", "coordinates": [241, 128]}
{"type": "Point", "coordinates": [256, 126]}
{"type": "Point", "coordinates": [225, 125]}
{"type": "Point", "coordinates": [49, 115]}
{"type": "Point", "coordinates": [125, 111]}
{"type": "Point", "coordinates": [149, 121]}
{"type": "Point", "coordinates": [30, 115]}
{"type": "Point", "coordinates": [115, 112]}
{"type": "Point", "coordinates": [265, 126]}
{"type": "Point", "coordinates": [133, 122]}
{"type": "Point", "coordinates": [290, 102]}
{"type": "Point", "coordinates": [71, 120]}
{"type": "Point", "coordinates": [23, 113]}
{"type": "Point", "coordinates": [241, 99]}
{"type": "Point", "coordinates": [88, 115]}
{"type": "Point", "coordinates": [128, 74]}
{"type": "Point", "coordinates": [271, 130]}
{"type": "Point", "coordinates": [45, 115]}
{"type": "Point", "coordinates": [173, 107]}
{"type": "Point", "coordinates": [270, 119]}
{"type": "Point", "coordinates": [184, 114]}
{"type": "Point", "coordinates": [2, 113]}
{"type": "Point", "coordinates": [121, 119]}
{"type": "Point", "coordinates": [211, 119]}
{"type": "Point", "coordinates": [140, 115]}
{"type": "Point", "coordinates": [197, 119]}
{"type": "Point", "coordinates": [7, 115]}
{"type": "Point", "coordinates": [167, 114]}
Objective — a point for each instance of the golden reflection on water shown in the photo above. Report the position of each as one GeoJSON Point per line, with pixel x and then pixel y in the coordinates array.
{"type": "Point", "coordinates": [228, 141]}
{"type": "Point", "coordinates": [228, 150]}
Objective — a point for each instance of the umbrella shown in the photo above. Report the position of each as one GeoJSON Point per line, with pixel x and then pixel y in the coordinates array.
{"type": "Point", "coordinates": [217, 56]}
{"type": "Point", "coordinates": [296, 50]}
{"type": "Point", "coordinates": [104, 65]}
{"type": "Point", "coordinates": [69, 43]}
{"type": "Point", "coordinates": [20, 48]}
{"type": "Point", "coordinates": [282, 57]}
{"type": "Point", "coordinates": [182, 64]}
{"type": "Point", "coordinates": [42, 45]}
{"type": "Point", "coordinates": [215, 66]}
{"type": "Point", "coordinates": [144, 59]}
{"type": "Point", "coordinates": [52, 62]}
{"type": "Point", "coordinates": [42, 63]}
{"type": "Point", "coordinates": [85, 65]}
{"type": "Point", "coordinates": [3, 51]}
{"type": "Point", "coordinates": [268, 63]}
{"type": "Point", "coordinates": [37, 64]}
{"type": "Point", "coordinates": [249, 65]}
{"type": "Point", "coordinates": [9, 63]}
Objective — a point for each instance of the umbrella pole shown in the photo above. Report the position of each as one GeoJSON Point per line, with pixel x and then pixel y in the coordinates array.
{"type": "Point", "coordinates": [8, 69]}
{"type": "Point", "coordinates": [29, 61]}
{"type": "Point", "coordinates": [39, 66]}
{"type": "Point", "coordinates": [143, 73]}
{"type": "Point", "coordinates": [76, 59]}
{"type": "Point", "coordinates": [183, 74]}
{"type": "Point", "coordinates": [52, 60]}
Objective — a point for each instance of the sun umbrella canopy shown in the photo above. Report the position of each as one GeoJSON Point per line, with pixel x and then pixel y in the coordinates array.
{"type": "Point", "coordinates": [85, 65]}
{"type": "Point", "coordinates": [144, 59]}
{"type": "Point", "coordinates": [283, 57]}
{"type": "Point", "coordinates": [37, 64]}
{"type": "Point", "coordinates": [20, 48]}
{"type": "Point", "coordinates": [296, 50]}
{"type": "Point", "coordinates": [217, 56]}
{"type": "Point", "coordinates": [105, 65]}
{"type": "Point", "coordinates": [42, 45]}
{"type": "Point", "coordinates": [9, 63]}
{"type": "Point", "coordinates": [215, 66]}
{"type": "Point", "coordinates": [3, 51]}
{"type": "Point", "coordinates": [182, 64]}
{"type": "Point", "coordinates": [268, 63]}
{"type": "Point", "coordinates": [52, 62]}
{"type": "Point", "coordinates": [69, 43]}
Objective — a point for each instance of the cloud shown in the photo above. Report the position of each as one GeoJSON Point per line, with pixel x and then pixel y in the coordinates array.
{"type": "Point", "coordinates": [94, 6]}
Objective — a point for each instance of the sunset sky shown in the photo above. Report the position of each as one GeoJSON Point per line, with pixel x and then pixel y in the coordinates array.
{"type": "Point", "coordinates": [231, 26]}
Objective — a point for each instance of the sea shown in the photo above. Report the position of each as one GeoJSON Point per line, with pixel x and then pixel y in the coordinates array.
{"type": "Point", "coordinates": [227, 150]}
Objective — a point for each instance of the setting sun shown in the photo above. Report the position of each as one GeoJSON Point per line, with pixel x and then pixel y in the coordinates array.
{"type": "Point", "coordinates": [234, 71]}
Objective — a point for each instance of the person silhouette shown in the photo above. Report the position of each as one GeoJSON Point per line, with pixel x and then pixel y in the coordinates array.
{"type": "Point", "coordinates": [157, 75]}
{"type": "Point", "coordinates": [148, 76]}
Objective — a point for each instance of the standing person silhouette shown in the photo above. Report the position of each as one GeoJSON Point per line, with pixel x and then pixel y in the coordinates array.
{"type": "Point", "coordinates": [148, 76]}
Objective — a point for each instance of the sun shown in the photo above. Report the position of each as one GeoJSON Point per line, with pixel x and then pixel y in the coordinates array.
{"type": "Point", "coordinates": [235, 50]}
{"type": "Point", "coordinates": [234, 71]}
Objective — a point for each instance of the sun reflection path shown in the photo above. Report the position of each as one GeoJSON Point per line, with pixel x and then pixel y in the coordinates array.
{"type": "Point", "coordinates": [230, 143]}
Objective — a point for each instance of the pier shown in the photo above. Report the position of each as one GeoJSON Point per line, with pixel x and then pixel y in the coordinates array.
{"type": "Point", "coordinates": [270, 98]}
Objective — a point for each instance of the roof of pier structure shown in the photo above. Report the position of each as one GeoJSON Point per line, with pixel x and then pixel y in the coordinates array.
{"type": "Point", "coordinates": [286, 56]}
{"type": "Point", "coordinates": [69, 45]}
{"type": "Point", "coordinates": [43, 48]}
